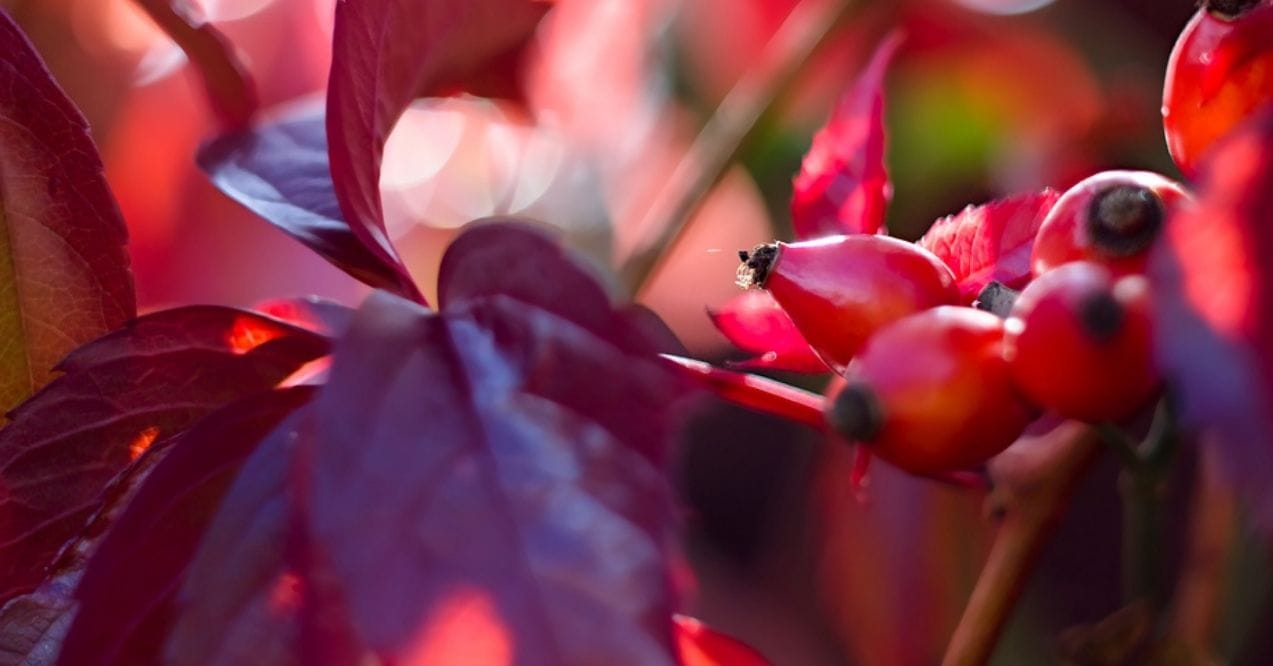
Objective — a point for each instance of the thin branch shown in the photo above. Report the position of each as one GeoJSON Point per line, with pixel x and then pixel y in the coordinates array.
{"type": "Point", "coordinates": [806, 27]}
{"type": "Point", "coordinates": [1203, 574]}
{"type": "Point", "coordinates": [1034, 479]}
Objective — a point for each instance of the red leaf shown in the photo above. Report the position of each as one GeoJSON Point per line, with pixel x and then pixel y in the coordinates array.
{"type": "Point", "coordinates": [126, 593]}
{"type": "Point", "coordinates": [64, 276]}
{"type": "Point", "coordinates": [466, 484]}
{"type": "Point", "coordinates": [385, 53]}
{"type": "Point", "coordinates": [311, 313]}
{"type": "Point", "coordinates": [121, 393]}
{"type": "Point", "coordinates": [225, 80]}
{"type": "Point", "coordinates": [32, 626]}
{"type": "Point", "coordinates": [279, 171]}
{"type": "Point", "coordinates": [754, 322]}
{"type": "Point", "coordinates": [990, 242]}
{"type": "Point", "coordinates": [755, 392]}
{"type": "Point", "coordinates": [1214, 288]}
{"type": "Point", "coordinates": [843, 186]}
{"type": "Point", "coordinates": [700, 645]}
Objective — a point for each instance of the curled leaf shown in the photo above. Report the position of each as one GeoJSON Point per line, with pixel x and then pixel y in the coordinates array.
{"type": "Point", "coordinates": [279, 170]}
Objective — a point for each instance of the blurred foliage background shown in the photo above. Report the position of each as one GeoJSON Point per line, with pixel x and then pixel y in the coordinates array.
{"type": "Point", "coordinates": [986, 98]}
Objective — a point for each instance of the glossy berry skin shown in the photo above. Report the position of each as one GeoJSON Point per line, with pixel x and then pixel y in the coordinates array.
{"type": "Point", "coordinates": [1079, 343]}
{"type": "Point", "coordinates": [838, 290]}
{"type": "Point", "coordinates": [932, 392]}
{"type": "Point", "coordinates": [1220, 72]}
{"type": "Point", "coordinates": [1112, 217]}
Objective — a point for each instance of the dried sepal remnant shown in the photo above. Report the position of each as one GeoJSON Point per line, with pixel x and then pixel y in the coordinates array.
{"type": "Point", "coordinates": [755, 265]}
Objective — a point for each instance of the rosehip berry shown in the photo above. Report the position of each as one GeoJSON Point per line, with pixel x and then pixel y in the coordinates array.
{"type": "Point", "coordinates": [1111, 217]}
{"type": "Point", "coordinates": [931, 392]}
{"type": "Point", "coordinates": [1078, 343]}
{"type": "Point", "coordinates": [838, 290]}
{"type": "Point", "coordinates": [1219, 73]}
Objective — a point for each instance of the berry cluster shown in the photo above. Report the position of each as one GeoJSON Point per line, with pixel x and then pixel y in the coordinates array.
{"type": "Point", "coordinates": [932, 383]}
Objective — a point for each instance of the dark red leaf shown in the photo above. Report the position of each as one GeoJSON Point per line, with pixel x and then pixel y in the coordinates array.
{"type": "Point", "coordinates": [1214, 286]}
{"type": "Point", "coordinates": [119, 394]}
{"type": "Point", "coordinates": [386, 53]}
{"type": "Point", "coordinates": [755, 392]}
{"type": "Point", "coordinates": [64, 276]}
{"type": "Point", "coordinates": [700, 645]}
{"type": "Point", "coordinates": [754, 322]}
{"type": "Point", "coordinates": [843, 186]}
{"type": "Point", "coordinates": [225, 80]}
{"type": "Point", "coordinates": [312, 313]}
{"type": "Point", "coordinates": [32, 626]}
{"type": "Point", "coordinates": [126, 593]}
{"type": "Point", "coordinates": [990, 242]}
{"type": "Point", "coordinates": [240, 601]}
{"type": "Point", "coordinates": [516, 261]}
{"type": "Point", "coordinates": [279, 170]}
{"type": "Point", "coordinates": [483, 473]}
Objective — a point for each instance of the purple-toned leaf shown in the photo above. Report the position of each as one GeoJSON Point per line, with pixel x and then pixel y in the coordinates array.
{"type": "Point", "coordinates": [520, 262]}
{"type": "Point", "coordinates": [279, 171]}
{"type": "Point", "coordinates": [754, 322]}
{"type": "Point", "coordinates": [843, 186]}
{"type": "Point", "coordinates": [240, 601]}
{"type": "Point", "coordinates": [119, 394]}
{"type": "Point", "coordinates": [386, 53]}
{"type": "Point", "coordinates": [225, 80]}
{"type": "Point", "coordinates": [64, 276]}
{"type": "Point", "coordinates": [33, 625]}
{"type": "Point", "coordinates": [484, 437]}
{"type": "Point", "coordinates": [990, 242]}
{"type": "Point", "coordinates": [126, 593]}
{"type": "Point", "coordinates": [754, 392]}
{"type": "Point", "coordinates": [1214, 289]}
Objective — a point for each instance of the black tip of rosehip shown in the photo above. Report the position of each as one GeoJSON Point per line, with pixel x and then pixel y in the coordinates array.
{"type": "Point", "coordinates": [856, 413]}
{"type": "Point", "coordinates": [1123, 220]}
{"type": "Point", "coordinates": [1229, 9]}
{"type": "Point", "coordinates": [756, 264]}
{"type": "Point", "coordinates": [1102, 316]}
{"type": "Point", "coordinates": [996, 298]}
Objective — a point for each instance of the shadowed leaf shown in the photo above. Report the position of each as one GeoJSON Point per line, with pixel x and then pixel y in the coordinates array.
{"type": "Point", "coordinates": [279, 171]}
{"type": "Point", "coordinates": [126, 593]}
{"type": "Point", "coordinates": [120, 394]}
{"type": "Point", "coordinates": [1214, 326]}
{"type": "Point", "coordinates": [64, 276]}
{"type": "Point", "coordinates": [386, 53]}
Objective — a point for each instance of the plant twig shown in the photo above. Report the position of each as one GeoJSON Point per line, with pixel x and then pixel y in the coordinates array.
{"type": "Point", "coordinates": [1200, 586]}
{"type": "Point", "coordinates": [1033, 481]}
{"type": "Point", "coordinates": [806, 27]}
{"type": "Point", "coordinates": [1143, 486]}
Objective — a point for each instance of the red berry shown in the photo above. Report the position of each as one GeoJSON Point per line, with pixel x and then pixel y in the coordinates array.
{"type": "Point", "coordinates": [1112, 218]}
{"type": "Point", "coordinates": [838, 290]}
{"type": "Point", "coordinates": [931, 392]}
{"type": "Point", "coordinates": [1220, 72]}
{"type": "Point", "coordinates": [1078, 343]}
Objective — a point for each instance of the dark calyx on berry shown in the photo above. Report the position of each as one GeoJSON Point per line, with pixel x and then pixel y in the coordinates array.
{"type": "Point", "coordinates": [756, 264]}
{"type": "Point", "coordinates": [1229, 9]}
{"type": "Point", "coordinates": [856, 413]}
{"type": "Point", "coordinates": [1102, 316]}
{"type": "Point", "coordinates": [1123, 220]}
{"type": "Point", "coordinates": [996, 298]}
